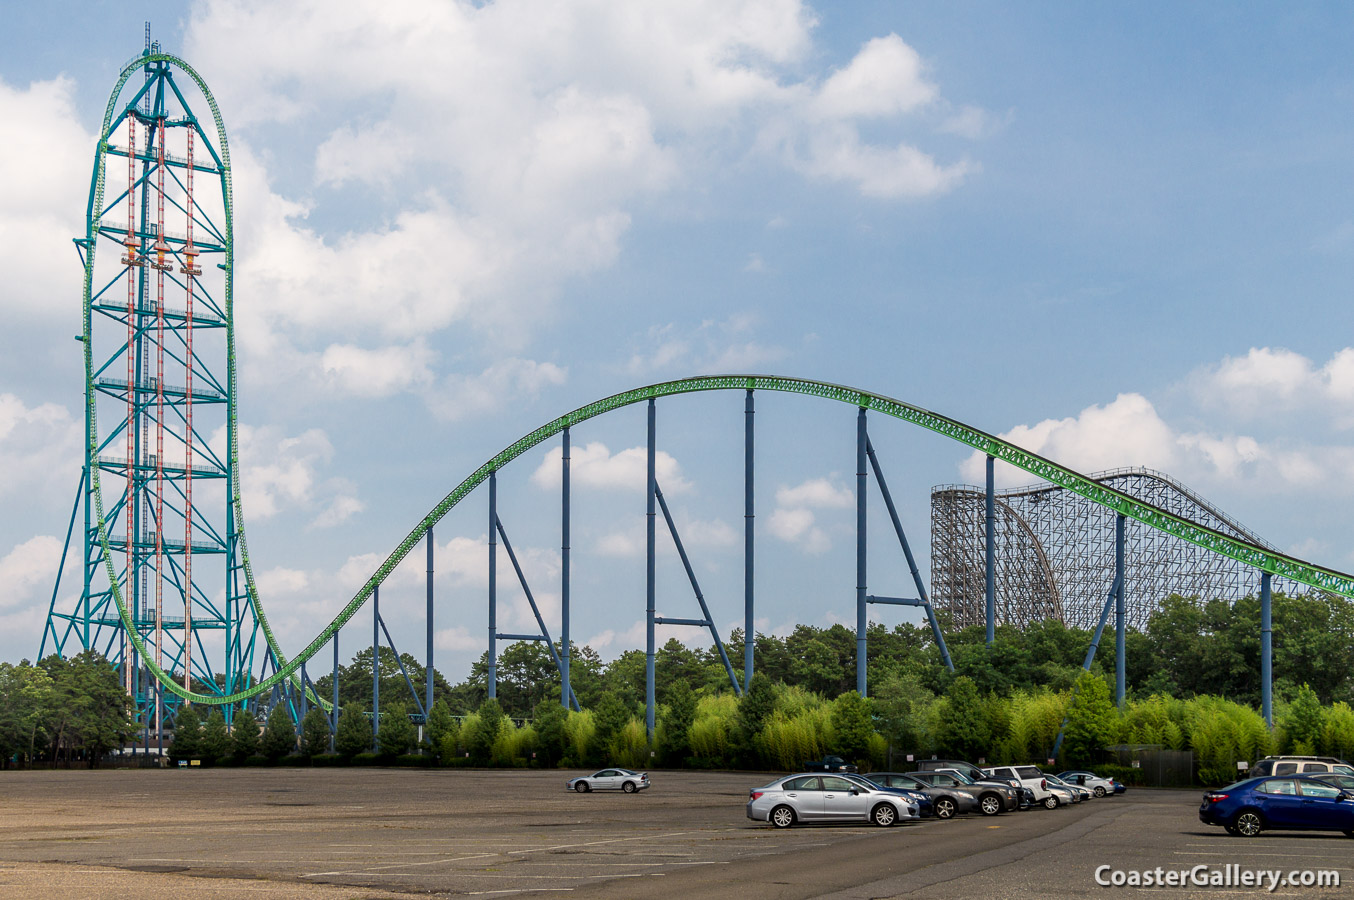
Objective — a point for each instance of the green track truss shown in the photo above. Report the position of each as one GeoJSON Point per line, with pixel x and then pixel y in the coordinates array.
{"type": "Point", "coordinates": [1262, 558]}
{"type": "Point", "coordinates": [113, 116]}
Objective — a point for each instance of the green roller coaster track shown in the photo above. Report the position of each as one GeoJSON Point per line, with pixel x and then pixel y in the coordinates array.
{"type": "Point", "coordinates": [111, 119]}
{"type": "Point", "coordinates": [1259, 557]}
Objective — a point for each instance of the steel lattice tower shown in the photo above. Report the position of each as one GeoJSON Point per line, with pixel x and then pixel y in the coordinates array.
{"type": "Point", "coordinates": [1055, 552]}
{"type": "Point", "coordinates": [167, 588]}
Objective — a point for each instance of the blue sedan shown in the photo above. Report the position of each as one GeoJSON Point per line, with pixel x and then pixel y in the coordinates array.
{"type": "Point", "coordinates": [1292, 802]}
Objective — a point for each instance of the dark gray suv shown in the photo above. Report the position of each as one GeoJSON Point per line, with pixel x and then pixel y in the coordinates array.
{"type": "Point", "coordinates": [992, 797]}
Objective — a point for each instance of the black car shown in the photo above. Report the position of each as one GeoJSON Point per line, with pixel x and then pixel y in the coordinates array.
{"type": "Point", "coordinates": [945, 801]}
{"type": "Point", "coordinates": [829, 764]}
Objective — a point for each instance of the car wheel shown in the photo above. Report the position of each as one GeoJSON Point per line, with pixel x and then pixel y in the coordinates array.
{"type": "Point", "coordinates": [1050, 802]}
{"type": "Point", "coordinates": [1248, 823]}
{"type": "Point", "coordinates": [883, 815]}
{"type": "Point", "coordinates": [944, 808]}
{"type": "Point", "coordinates": [782, 817]}
{"type": "Point", "coordinates": [582, 787]}
{"type": "Point", "coordinates": [628, 787]}
{"type": "Point", "coordinates": [1099, 791]}
{"type": "Point", "coordinates": [1349, 834]}
{"type": "Point", "coordinates": [990, 804]}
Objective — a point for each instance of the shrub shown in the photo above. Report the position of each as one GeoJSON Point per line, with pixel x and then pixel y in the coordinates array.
{"type": "Point", "coordinates": [579, 728]}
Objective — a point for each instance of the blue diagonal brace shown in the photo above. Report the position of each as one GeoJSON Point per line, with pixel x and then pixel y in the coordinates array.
{"type": "Point", "coordinates": [907, 551]}
{"type": "Point", "coordinates": [695, 586]}
{"type": "Point", "coordinates": [403, 671]}
{"type": "Point", "coordinates": [1090, 653]}
{"type": "Point", "coordinates": [526, 589]}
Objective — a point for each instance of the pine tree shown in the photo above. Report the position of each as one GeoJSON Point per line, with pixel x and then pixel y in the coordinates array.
{"type": "Point", "coordinates": [964, 729]}
{"type": "Point", "coordinates": [396, 734]}
{"type": "Point", "coordinates": [187, 733]}
{"type": "Point", "coordinates": [279, 735]}
{"type": "Point", "coordinates": [852, 725]}
{"type": "Point", "coordinates": [480, 736]}
{"type": "Point", "coordinates": [244, 735]}
{"type": "Point", "coordinates": [548, 723]}
{"type": "Point", "coordinates": [440, 725]}
{"type": "Point", "coordinates": [610, 716]}
{"type": "Point", "coordinates": [314, 732]}
{"type": "Point", "coordinates": [1090, 721]}
{"type": "Point", "coordinates": [1303, 724]}
{"type": "Point", "coordinates": [676, 724]}
{"type": "Point", "coordinates": [353, 735]}
{"type": "Point", "coordinates": [215, 740]}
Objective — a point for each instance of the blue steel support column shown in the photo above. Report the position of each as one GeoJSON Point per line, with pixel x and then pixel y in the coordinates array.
{"type": "Point", "coordinates": [649, 569]}
{"type": "Point", "coordinates": [1120, 617]}
{"type": "Point", "coordinates": [428, 672]}
{"type": "Point", "coordinates": [991, 553]}
{"type": "Point", "coordinates": [334, 714]}
{"type": "Point", "coordinates": [749, 629]}
{"type": "Point", "coordinates": [861, 660]}
{"type": "Point", "coordinates": [301, 714]}
{"type": "Point", "coordinates": [491, 688]}
{"type": "Point", "coordinates": [565, 690]}
{"type": "Point", "coordinates": [375, 666]}
{"type": "Point", "coordinates": [1266, 652]}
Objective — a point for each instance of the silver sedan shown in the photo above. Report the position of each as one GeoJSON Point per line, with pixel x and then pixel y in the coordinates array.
{"type": "Point", "coordinates": [609, 780]}
{"type": "Point", "coordinates": [826, 798]}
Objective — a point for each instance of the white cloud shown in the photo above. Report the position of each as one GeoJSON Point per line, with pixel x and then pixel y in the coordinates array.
{"type": "Point", "coordinates": [505, 381]}
{"type": "Point", "coordinates": [620, 545]}
{"type": "Point", "coordinates": [1129, 432]}
{"type": "Point", "coordinates": [539, 126]}
{"type": "Point", "coordinates": [280, 472]}
{"type": "Point", "coordinates": [713, 346]}
{"type": "Point", "coordinates": [819, 493]}
{"type": "Point", "coordinates": [974, 123]}
{"type": "Point", "coordinates": [339, 510]}
{"type": "Point", "coordinates": [594, 466]}
{"type": "Point", "coordinates": [715, 534]}
{"type": "Point", "coordinates": [836, 153]}
{"type": "Point", "coordinates": [46, 179]}
{"type": "Point", "coordinates": [794, 521]}
{"type": "Point", "coordinates": [1125, 432]}
{"type": "Point", "coordinates": [29, 564]}
{"type": "Point", "coordinates": [36, 442]}
{"type": "Point", "coordinates": [1271, 381]}
{"type": "Point", "coordinates": [884, 79]}
{"type": "Point", "coordinates": [282, 580]}
{"type": "Point", "coordinates": [797, 526]}
{"type": "Point", "coordinates": [458, 639]}
{"type": "Point", "coordinates": [377, 373]}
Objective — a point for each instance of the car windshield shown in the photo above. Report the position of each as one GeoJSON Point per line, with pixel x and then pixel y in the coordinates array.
{"type": "Point", "coordinates": [1053, 779]}
{"type": "Point", "coordinates": [960, 777]}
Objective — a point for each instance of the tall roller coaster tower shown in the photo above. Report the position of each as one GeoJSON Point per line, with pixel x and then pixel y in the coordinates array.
{"type": "Point", "coordinates": [166, 585]}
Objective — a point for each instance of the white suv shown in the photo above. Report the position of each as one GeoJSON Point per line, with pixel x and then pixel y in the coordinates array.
{"type": "Point", "coordinates": [1306, 765]}
{"type": "Point", "coordinates": [1026, 776]}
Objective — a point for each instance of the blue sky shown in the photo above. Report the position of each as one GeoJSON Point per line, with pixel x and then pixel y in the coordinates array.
{"type": "Point", "coordinates": [1119, 233]}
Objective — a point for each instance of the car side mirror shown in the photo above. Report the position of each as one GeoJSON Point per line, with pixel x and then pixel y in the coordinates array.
{"type": "Point", "coordinates": [855, 791]}
{"type": "Point", "coordinates": [1343, 795]}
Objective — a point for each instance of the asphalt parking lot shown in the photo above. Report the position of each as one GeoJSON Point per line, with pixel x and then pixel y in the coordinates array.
{"type": "Point", "coordinates": [318, 833]}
